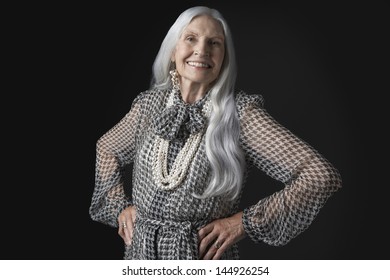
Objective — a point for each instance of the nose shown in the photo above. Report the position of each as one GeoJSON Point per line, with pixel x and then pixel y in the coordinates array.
{"type": "Point", "coordinates": [202, 49]}
{"type": "Point", "coordinates": [202, 53]}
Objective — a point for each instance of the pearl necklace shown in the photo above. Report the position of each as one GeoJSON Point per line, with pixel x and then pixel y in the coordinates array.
{"type": "Point", "coordinates": [171, 180]}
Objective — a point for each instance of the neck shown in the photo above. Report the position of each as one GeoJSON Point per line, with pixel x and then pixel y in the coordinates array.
{"type": "Point", "coordinates": [191, 95]}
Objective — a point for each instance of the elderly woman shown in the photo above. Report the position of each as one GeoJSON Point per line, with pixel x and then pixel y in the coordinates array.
{"type": "Point", "coordinates": [191, 138]}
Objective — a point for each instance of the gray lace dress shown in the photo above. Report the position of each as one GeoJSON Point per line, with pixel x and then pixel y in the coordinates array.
{"type": "Point", "coordinates": [168, 220]}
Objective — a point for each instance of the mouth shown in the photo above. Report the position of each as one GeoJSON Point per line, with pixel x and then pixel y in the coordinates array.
{"type": "Point", "coordinates": [198, 64]}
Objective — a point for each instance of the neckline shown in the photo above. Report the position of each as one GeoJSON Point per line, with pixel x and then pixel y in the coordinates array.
{"type": "Point", "coordinates": [198, 103]}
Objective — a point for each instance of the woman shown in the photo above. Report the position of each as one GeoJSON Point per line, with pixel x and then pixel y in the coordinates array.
{"type": "Point", "coordinates": [191, 138]}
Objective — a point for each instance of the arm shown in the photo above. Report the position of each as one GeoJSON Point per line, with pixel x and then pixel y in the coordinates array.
{"type": "Point", "coordinates": [114, 150]}
{"type": "Point", "coordinates": [308, 178]}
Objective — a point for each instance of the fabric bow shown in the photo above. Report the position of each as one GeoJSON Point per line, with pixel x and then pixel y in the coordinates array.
{"type": "Point", "coordinates": [180, 117]}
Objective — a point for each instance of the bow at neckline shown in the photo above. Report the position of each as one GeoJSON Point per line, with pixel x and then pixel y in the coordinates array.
{"type": "Point", "coordinates": [180, 119]}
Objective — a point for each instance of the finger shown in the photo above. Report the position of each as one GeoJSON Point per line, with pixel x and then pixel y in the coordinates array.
{"type": "Point", "coordinates": [134, 215]}
{"type": "Point", "coordinates": [125, 231]}
{"type": "Point", "coordinates": [126, 221]}
{"type": "Point", "coordinates": [205, 231]}
{"type": "Point", "coordinates": [220, 250]}
{"type": "Point", "coordinates": [207, 242]}
{"type": "Point", "coordinates": [215, 250]}
{"type": "Point", "coordinates": [121, 231]}
{"type": "Point", "coordinates": [206, 236]}
{"type": "Point", "coordinates": [132, 222]}
{"type": "Point", "coordinates": [128, 227]}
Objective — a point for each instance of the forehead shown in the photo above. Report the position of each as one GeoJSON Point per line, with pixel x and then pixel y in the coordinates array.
{"type": "Point", "coordinates": [205, 25]}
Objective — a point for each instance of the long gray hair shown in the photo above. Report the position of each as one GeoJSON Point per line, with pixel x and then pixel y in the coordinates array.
{"type": "Point", "coordinates": [222, 135]}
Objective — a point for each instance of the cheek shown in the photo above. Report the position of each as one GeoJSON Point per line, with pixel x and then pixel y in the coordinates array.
{"type": "Point", "coordinates": [182, 52]}
{"type": "Point", "coordinates": [219, 62]}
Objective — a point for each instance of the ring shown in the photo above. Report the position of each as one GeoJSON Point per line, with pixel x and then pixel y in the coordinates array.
{"type": "Point", "coordinates": [217, 245]}
{"type": "Point", "coordinates": [124, 225]}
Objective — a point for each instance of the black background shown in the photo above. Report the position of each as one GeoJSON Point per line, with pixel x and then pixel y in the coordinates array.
{"type": "Point", "coordinates": [75, 69]}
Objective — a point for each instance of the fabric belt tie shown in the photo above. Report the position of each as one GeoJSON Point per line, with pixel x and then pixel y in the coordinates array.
{"type": "Point", "coordinates": [183, 233]}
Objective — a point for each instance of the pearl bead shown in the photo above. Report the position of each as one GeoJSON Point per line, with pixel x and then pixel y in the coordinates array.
{"type": "Point", "coordinates": [164, 179]}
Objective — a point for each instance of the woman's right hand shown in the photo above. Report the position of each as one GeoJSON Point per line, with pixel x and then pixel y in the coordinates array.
{"type": "Point", "coordinates": [126, 221]}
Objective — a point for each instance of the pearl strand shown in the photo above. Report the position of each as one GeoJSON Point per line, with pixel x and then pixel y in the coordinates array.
{"type": "Point", "coordinates": [170, 181]}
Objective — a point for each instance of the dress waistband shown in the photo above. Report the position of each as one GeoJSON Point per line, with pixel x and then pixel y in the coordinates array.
{"type": "Point", "coordinates": [182, 242]}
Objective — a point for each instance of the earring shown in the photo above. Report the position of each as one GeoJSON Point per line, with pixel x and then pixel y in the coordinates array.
{"type": "Point", "coordinates": [175, 79]}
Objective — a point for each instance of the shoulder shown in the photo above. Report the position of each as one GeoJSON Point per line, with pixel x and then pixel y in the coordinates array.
{"type": "Point", "coordinates": [151, 98]}
{"type": "Point", "coordinates": [246, 100]}
{"type": "Point", "coordinates": [150, 95]}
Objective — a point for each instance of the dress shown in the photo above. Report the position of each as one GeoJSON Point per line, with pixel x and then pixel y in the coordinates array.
{"type": "Point", "coordinates": [168, 220]}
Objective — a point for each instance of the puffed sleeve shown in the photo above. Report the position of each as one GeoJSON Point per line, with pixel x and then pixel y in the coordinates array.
{"type": "Point", "coordinates": [114, 150]}
{"type": "Point", "coordinates": [308, 179]}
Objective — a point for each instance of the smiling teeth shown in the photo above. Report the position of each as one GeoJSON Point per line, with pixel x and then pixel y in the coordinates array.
{"type": "Point", "coordinates": [198, 64]}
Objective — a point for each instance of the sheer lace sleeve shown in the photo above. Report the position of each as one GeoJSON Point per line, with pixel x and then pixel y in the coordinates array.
{"type": "Point", "coordinates": [114, 150]}
{"type": "Point", "coordinates": [308, 178]}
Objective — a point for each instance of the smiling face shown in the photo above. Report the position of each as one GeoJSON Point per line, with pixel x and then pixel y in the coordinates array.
{"type": "Point", "coordinates": [199, 53]}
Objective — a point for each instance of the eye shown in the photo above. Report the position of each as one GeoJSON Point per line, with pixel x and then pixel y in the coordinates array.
{"type": "Point", "coordinates": [190, 38]}
{"type": "Point", "coordinates": [215, 43]}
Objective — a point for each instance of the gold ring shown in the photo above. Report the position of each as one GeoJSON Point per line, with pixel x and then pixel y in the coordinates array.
{"type": "Point", "coordinates": [124, 225]}
{"type": "Point", "coordinates": [217, 245]}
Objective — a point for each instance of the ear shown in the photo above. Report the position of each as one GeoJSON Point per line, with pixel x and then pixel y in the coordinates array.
{"type": "Point", "coordinates": [173, 57]}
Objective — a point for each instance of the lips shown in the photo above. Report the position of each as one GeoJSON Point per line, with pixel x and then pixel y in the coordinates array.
{"type": "Point", "coordinates": [198, 64]}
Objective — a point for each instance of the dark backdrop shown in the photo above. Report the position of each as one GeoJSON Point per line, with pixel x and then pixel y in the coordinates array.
{"type": "Point", "coordinates": [76, 69]}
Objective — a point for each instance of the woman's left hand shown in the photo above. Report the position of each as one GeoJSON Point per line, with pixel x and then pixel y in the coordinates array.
{"type": "Point", "coordinates": [219, 235]}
